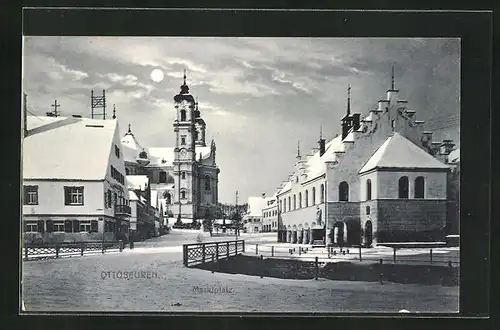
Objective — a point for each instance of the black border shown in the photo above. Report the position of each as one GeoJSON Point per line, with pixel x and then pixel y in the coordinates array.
{"type": "Point", "coordinates": [474, 29]}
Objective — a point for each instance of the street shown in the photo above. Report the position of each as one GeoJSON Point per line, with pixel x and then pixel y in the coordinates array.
{"type": "Point", "coordinates": [157, 281]}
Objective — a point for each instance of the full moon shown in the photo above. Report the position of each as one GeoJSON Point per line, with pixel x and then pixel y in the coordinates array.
{"type": "Point", "coordinates": [157, 75]}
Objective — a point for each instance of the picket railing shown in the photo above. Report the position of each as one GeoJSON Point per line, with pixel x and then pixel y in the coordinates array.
{"type": "Point", "coordinates": [199, 253]}
{"type": "Point", "coordinates": [56, 250]}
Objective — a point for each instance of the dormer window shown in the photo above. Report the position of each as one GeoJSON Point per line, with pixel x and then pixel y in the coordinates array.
{"type": "Point", "coordinates": [117, 151]}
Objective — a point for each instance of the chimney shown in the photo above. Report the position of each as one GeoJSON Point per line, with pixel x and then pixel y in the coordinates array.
{"type": "Point", "coordinates": [263, 195]}
{"type": "Point", "coordinates": [447, 147]}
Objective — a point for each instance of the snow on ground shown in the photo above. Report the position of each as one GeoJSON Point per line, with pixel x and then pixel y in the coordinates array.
{"type": "Point", "coordinates": [161, 283]}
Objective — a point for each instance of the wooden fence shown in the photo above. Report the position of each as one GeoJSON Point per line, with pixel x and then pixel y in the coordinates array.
{"type": "Point", "coordinates": [44, 250]}
{"type": "Point", "coordinates": [199, 253]}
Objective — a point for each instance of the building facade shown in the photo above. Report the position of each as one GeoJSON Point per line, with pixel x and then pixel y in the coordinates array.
{"type": "Point", "coordinates": [382, 179]}
{"type": "Point", "coordinates": [186, 176]}
{"type": "Point", "coordinates": [74, 184]}
{"type": "Point", "coordinates": [270, 215]}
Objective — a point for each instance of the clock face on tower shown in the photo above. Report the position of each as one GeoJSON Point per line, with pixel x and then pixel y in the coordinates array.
{"type": "Point", "coordinates": [183, 152]}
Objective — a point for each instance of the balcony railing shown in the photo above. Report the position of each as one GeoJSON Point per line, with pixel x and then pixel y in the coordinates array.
{"type": "Point", "coordinates": [122, 210]}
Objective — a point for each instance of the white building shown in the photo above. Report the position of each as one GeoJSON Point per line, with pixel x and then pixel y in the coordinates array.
{"type": "Point", "coordinates": [382, 179]}
{"type": "Point", "coordinates": [270, 214]}
{"type": "Point", "coordinates": [253, 219]}
{"type": "Point", "coordinates": [73, 180]}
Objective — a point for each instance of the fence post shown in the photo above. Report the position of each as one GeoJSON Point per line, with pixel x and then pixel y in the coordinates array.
{"type": "Point", "coordinates": [381, 273]}
{"type": "Point", "coordinates": [360, 253]}
{"type": "Point", "coordinates": [81, 251]}
{"type": "Point", "coordinates": [256, 248]}
{"type": "Point", "coordinates": [262, 268]}
{"type": "Point", "coordinates": [235, 248]}
{"type": "Point", "coordinates": [203, 253]}
{"type": "Point", "coordinates": [243, 242]}
{"type": "Point", "coordinates": [394, 257]}
{"type": "Point", "coordinates": [431, 255]}
{"type": "Point", "coordinates": [120, 242]}
{"type": "Point", "coordinates": [26, 252]}
{"type": "Point", "coordinates": [316, 267]}
{"type": "Point", "coordinates": [227, 250]}
{"type": "Point", "coordinates": [272, 251]}
{"type": "Point", "coordinates": [102, 246]}
{"type": "Point", "coordinates": [217, 251]}
{"type": "Point", "coordinates": [57, 250]}
{"type": "Point", "coordinates": [185, 255]}
{"type": "Point", "coordinates": [328, 252]}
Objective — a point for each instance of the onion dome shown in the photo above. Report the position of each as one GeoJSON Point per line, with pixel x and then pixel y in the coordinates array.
{"type": "Point", "coordinates": [184, 94]}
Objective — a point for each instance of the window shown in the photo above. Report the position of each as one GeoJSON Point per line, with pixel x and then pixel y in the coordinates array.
{"type": "Point", "coordinates": [322, 194]}
{"type": "Point", "coordinates": [163, 177]}
{"type": "Point", "coordinates": [127, 171]}
{"type": "Point", "coordinates": [294, 202]}
{"type": "Point", "coordinates": [196, 135]}
{"type": "Point", "coordinates": [73, 195]}
{"type": "Point", "coordinates": [183, 195]}
{"type": "Point", "coordinates": [183, 140]}
{"type": "Point", "coordinates": [281, 206]}
{"type": "Point", "coordinates": [368, 189]}
{"type": "Point", "coordinates": [207, 182]}
{"type": "Point", "coordinates": [343, 192]}
{"type": "Point", "coordinates": [183, 115]}
{"type": "Point", "coordinates": [183, 175]}
{"type": "Point", "coordinates": [307, 198]}
{"type": "Point", "coordinates": [403, 187]}
{"type": "Point", "coordinates": [58, 227]}
{"type": "Point", "coordinates": [30, 195]}
{"type": "Point", "coordinates": [289, 203]}
{"type": "Point", "coordinates": [84, 226]}
{"type": "Point", "coordinates": [117, 151]}
{"type": "Point", "coordinates": [314, 196]}
{"type": "Point", "coordinates": [419, 187]}
{"type": "Point", "coordinates": [300, 200]}
{"type": "Point", "coordinates": [31, 227]}
{"type": "Point", "coordinates": [367, 210]}
{"type": "Point", "coordinates": [393, 124]}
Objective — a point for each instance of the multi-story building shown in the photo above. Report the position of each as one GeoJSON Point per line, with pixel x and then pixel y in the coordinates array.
{"type": "Point", "coordinates": [381, 179]}
{"type": "Point", "coordinates": [270, 215]}
{"type": "Point", "coordinates": [253, 220]}
{"type": "Point", "coordinates": [74, 180]}
{"type": "Point", "coordinates": [185, 176]}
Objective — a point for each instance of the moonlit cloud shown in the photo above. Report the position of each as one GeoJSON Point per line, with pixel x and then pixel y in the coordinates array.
{"type": "Point", "coordinates": [257, 95]}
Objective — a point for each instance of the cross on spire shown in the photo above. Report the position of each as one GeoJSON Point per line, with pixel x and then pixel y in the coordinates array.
{"type": "Point", "coordinates": [114, 112]}
{"type": "Point", "coordinates": [55, 105]}
{"type": "Point", "coordinates": [349, 100]}
{"type": "Point", "coordinates": [298, 150]}
{"type": "Point", "coordinates": [184, 76]}
{"type": "Point", "coordinates": [129, 130]}
{"type": "Point", "coordinates": [392, 78]}
{"type": "Point", "coordinates": [321, 131]}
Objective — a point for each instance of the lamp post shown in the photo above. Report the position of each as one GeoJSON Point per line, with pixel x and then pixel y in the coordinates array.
{"type": "Point", "coordinates": [143, 160]}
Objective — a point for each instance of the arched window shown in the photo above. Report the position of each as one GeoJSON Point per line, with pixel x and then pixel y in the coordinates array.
{"type": "Point", "coordinates": [207, 182]}
{"type": "Point", "coordinates": [419, 187]}
{"type": "Point", "coordinates": [183, 175]}
{"type": "Point", "coordinates": [294, 202]}
{"type": "Point", "coordinates": [183, 115]}
{"type": "Point", "coordinates": [368, 189]}
{"type": "Point", "coordinates": [168, 197]}
{"type": "Point", "coordinates": [300, 200]}
{"type": "Point", "coordinates": [306, 199]}
{"type": "Point", "coordinates": [183, 194]}
{"type": "Point", "coordinates": [314, 196]}
{"type": "Point", "coordinates": [343, 192]}
{"type": "Point", "coordinates": [196, 135]}
{"type": "Point", "coordinates": [403, 187]}
{"type": "Point", "coordinates": [322, 194]}
{"type": "Point", "coordinates": [289, 203]}
{"type": "Point", "coordinates": [368, 210]}
{"type": "Point", "coordinates": [163, 177]}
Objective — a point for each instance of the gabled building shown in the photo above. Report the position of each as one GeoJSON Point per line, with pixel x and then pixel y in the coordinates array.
{"type": "Point", "coordinates": [74, 183]}
{"type": "Point", "coordinates": [382, 179]}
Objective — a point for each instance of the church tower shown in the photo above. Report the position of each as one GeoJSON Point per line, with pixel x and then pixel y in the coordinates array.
{"type": "Point", "coordinates": [200, 127]}
{"type": "Point", "coordinates": [184, 160]}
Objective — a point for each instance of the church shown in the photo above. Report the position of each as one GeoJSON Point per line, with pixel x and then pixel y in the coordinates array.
{"type": "Point", "coordinates": [182, 179]}
{"type": "Point", "coordinates": [382, 179]}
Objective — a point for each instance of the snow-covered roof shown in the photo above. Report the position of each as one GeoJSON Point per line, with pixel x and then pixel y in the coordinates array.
{"type": "Point", "coordinates": [454, 156]}
{"type": "Point", "coordinates": [137, 182]}
{"type": "Point", "coordinates": [132, 196]}
{"type": "Point", "coordinates": [399, 152]}
{"type": "Point", "coordinates": [67, 148]}
{"type": "Point", "coordinates": [161, 156]}
{"type": "Point", "coordinates": [130, 141]}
